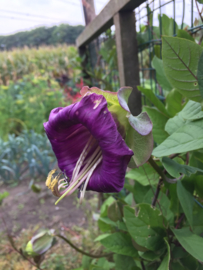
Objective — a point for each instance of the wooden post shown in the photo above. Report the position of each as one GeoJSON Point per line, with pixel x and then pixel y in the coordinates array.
{"type": "Point", "coordinates": [89, 15]}
{"type": "Point", "coordinates": [89, 10]}
{"type": "Point", "coordinates": [127, 55]}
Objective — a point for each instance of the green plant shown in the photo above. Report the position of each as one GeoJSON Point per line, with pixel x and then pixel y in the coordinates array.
{"type": "Point", "coordinates": [27, 104]}
{"type": "Point", "coordinates": [28, 155]}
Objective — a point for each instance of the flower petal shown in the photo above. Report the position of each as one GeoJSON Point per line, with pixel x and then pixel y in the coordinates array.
{"type": "Point", "coordinates": [123, 95]}
{"type": "Point", "coordinates": [141, 123]}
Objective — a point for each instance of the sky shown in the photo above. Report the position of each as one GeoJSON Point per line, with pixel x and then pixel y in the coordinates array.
{"type": "Point", "coordinates": [21, 15]}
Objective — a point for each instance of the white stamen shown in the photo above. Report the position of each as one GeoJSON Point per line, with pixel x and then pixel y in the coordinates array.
{"type": "Point", "coordinates": [88, 178]}
{"type": "Point", "coordinates": [81, 160]}
{"type": "Point", "coordinates": [81, 176]}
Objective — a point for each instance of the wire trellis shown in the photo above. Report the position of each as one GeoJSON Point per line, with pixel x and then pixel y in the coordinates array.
{"type": "Point", "coordinates": [103, 62]}
{"type": "Point", "coordinates": [183, 14]}
{"type": "Point", "coordinates": [186, 14]}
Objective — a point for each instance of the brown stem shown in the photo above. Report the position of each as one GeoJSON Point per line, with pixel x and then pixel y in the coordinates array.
{"type": "Point", "coordinates": [162, 177]}
{"type": "Point", "coordinates": [157, 193]}
{"type": "Point", "coordinates": [10, 239]}
{"type": "Point", "coordinates": [179, 221]}
{"type": "Point", "coordinates": [143, 266]}
{"type": "Point", "coordinates": [173, 156]}
{"type": "Point", "coordinates": [187, 158]}
{"type": "Point", "coordinates": [21, 253]}
{"type": "Point", "coordinates": [81, 251]}
{"type": "Point", "coordinates": [156, 168]}
{"type": "Point", "coordinates": [199, 11]}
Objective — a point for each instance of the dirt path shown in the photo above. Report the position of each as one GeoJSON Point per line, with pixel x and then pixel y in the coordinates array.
{"type": "Point", "coordinates": [23, 208]}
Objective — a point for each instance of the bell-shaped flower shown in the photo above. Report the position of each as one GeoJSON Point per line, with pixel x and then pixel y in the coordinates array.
{"type": "Point", "coordinates": [88, 139]}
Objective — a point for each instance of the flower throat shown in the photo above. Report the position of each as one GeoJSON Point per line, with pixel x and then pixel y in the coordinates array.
{"type": "Point", "coordinates": [87, 162]}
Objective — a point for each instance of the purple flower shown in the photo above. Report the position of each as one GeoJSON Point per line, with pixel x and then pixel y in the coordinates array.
{"type": "Point", "coordinates": [91, 152]}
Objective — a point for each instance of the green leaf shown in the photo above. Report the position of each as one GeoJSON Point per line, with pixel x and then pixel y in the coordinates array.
{"type": "Point", "coordinates": [145, 226]}
{"type": "Point", "coordinates": [186, 201]}
{"type": "Point", "coordinates": [100, 237]}
{"type": "Point", "coordinates": [159, 121]}
{"type": "Point", "coordinates": [111, 97]}
{"type": "Point", "coordinates": [104, 207]}
{"type": "Point", "coordinates": [173, 102]}
{"type": "Point", "coordinates": [192, 243]}
{"type": "Point", "coordinates": [145, 175]}
{"type": "Point", "coordinates": [139, 192]}
{"type": "Point", "coordinates": [124, 262]}
{"type": "Point", "coordinates": [175, 204]}
{"type": "Point", "coordinates": [157, 64]}
{"type": "Point", "coordinates": [200, 73]}
{"type": "Point", "coordinates": [175, 169]}
{"type": "Point", "coordinates": [166, 260]}
{"type": "Point", "coordinates": [199, 185]}
{"type": "Point", "coordinates": [192, 111]}
{"type": "Point", "coordinates": [114, 211]}
{"type": "Point", "coordinates": [103, 226]}
{"type": "Point", "coordinates": [197, 219]}
{"type": "Point", "coordinates": [178, 253]}
{"type": "Point", "coordinates": [142, 147]}
{"type": "Point", "coordinates": [176, 266]}
{"type": "Point", "coordinates": [180, 58]}
{"type": "Point", "coordinates": [196, 159]}
{"type": "Point", "coordinates": [189, 137]}
{"type": "Point", "coordinates": [129, 199]}
{"type": "Point", "coordinates": [154, 100]}
{"type": "Point", "coordinates": [164, 203]}
{"type": "Point", "coordinates": [86, 261]}
{"type": "Point", "coordinates": [189, 262]}
{"type": "Point", "coordinates": [151, 255]}
{"type": "Point", "coordinates": [167, 25]}
{"type": "Point", "coordinates": [3, 196]}
{"type": "Point", "coordinates": [184, 34]}
{"type": "Point", "coordinates": [107, 220]}
{"type": "Point", "coordinates": [200, 1]}
{"type": "Point", "coordinates": [120, 243]}
{"type": "Point", "coordinates": [102, 264]}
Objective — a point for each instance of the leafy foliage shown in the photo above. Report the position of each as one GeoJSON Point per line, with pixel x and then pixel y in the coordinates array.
{"type": "Point", "coordinates": [164, 219]}
{"type": "Point", "coordinates": [27, 104]}
{"type": "Point", "coordinates": [54, 62]}
{"type": "Point", "coordinates": [28, 155]}
{"type": "Point", "coordinates": [156, 221]}
{"type": "Point", "coordinates": [63, 33]}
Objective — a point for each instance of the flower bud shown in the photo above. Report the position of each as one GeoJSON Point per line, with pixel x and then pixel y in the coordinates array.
{"type": "Point", "coordinates": [41, 241]}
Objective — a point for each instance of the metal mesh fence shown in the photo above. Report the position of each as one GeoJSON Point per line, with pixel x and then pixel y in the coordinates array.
{"type": "Point", "coordinates": [153, 19]}
{"type": "Point", "coordinates": [160, 17]}
{"type": "Point", "coordinates": [103, 62]}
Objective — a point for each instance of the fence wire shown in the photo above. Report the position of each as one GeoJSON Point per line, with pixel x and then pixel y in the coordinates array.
{"type": "Point", "coordinates": [103, 62]}
{"type": "Point", "coordinates": [153, 19]}
{"type": "Point", "coordinates": [160, 17]}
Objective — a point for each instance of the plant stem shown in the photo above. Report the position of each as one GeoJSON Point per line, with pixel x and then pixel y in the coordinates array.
{"type": "Point", "coordinates": [199, 11]}
{"type": "Point", "coordinates": [156, 167]}
{"type": "Point", "coordinates": [157, 193]}
{"type": "Point", "coordinates": [162, 177]}
{"type": "Point", "coordinates": [143, 266]}
{"type": "Point", "coordinates": [21, 252]}
{"type": "Point", "coordinates": [81, 251]}
{"type": "Point", "coordinates": [10, 239]}
{"type": "Point", "coordinates": [179, 221]}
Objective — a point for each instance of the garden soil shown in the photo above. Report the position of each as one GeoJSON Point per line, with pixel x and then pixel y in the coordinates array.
{"type": "Point", "coordinates": [24, 209]}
